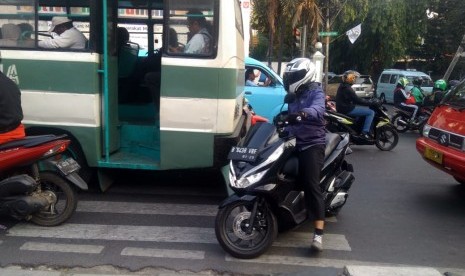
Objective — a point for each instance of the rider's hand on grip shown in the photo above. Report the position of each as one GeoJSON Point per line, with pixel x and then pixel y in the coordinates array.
{"type": "Point", "coordinates": [283, 133]}
{"type": "Point", "coordinates": [294, 118]}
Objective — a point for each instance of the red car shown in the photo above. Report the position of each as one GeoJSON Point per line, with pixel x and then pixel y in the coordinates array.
{"type": "Point", "coordinates": [443, 141]}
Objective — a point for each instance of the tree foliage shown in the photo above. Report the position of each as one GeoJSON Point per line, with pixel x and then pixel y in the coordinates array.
{"type": "Point", "coordinates": [394, 32]}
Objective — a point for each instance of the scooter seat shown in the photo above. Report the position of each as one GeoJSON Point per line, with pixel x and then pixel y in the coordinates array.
{"type": "Point", "coordinates": [332, 140]}
{"type": "Point", "coordinates": [31, 141]}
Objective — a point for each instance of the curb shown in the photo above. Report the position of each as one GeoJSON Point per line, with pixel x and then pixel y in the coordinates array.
{"type": "Point", "coordinates": [357, 270]}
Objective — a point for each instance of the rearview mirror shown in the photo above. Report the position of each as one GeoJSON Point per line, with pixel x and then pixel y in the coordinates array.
{"type": "Point", "coordinates": [289, 98]}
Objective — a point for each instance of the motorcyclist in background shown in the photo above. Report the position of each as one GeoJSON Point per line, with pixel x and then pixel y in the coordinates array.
{"type": "Point", "coordinates": [348, 103]}
{"type": "Point", "coordinates": [417, 91]}
{"type": "Point", "coordinates": [439, 91]}
{"type": "Point", "coordinates": [401, 96]}
{"type": "Point", "coordinates": [309, 105]}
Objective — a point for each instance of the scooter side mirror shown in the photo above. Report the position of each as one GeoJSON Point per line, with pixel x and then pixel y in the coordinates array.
{"type": "Point", "coordinates": [289, 98]}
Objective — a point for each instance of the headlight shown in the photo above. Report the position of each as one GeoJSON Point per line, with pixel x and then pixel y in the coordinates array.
{"type": "Point", "coordinates": [249, 180]}
{"type": "Point", "coordinates": [426, 130]}
{"type": "Point", "coordinates": [253, 176]}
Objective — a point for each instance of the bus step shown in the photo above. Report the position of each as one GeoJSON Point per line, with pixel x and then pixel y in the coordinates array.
{"type": "Point", "coordinates": [127, 160]}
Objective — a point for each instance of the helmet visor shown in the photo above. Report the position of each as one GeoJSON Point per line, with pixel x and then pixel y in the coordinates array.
{"type": "Point", "coordinates": [290, 78]}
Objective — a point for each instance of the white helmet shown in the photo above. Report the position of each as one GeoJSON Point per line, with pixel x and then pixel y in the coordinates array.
{"type": "Point", "coordinates": [299, 71]}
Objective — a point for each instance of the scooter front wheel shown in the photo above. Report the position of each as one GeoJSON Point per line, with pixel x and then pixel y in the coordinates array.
{"type": "Point", "coordinates": [64, 200]}
{"type": "Point", "coordinates": [386, 138]}
{"type": "Point", "coordinates": [238, 237]}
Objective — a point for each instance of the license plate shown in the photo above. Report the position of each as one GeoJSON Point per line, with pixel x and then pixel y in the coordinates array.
{"type": "Point", "coordinates": [68, 166]}
{"type": "Point", "coordinates": [243, 154]}
{"type": "Point", "coordinates": [433, 155]}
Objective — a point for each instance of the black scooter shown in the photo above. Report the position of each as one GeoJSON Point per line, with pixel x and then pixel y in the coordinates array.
{"type": "Point", "coordinates": [384, 134]}
{"type": "Point", "coordinates": [262, 173]}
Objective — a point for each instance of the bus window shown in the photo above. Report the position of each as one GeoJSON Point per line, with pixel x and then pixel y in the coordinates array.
{"type": "Point", "coordinates": [193, 27]}
{"type": "Point", "coordinates": [17, 24]}
{"type": "Point", "coordinates": [77, 12]}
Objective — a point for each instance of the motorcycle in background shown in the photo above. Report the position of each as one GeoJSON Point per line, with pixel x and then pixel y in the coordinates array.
{"type": "Point", "coordinates": [402, 123]}
{"type": "Point", "coordinates": [37, 184]}
{"type": "Point", "coordinates": [384, 133]}
{"type": "Point", "coordinates": [263, 174]}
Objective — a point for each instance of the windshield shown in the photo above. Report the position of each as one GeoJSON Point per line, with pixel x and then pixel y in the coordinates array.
{"type": "Point", "coordinates": [456, 96]}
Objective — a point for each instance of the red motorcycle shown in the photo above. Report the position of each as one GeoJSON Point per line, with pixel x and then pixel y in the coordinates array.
{"type": "Point", "coordinates": [38, 184]}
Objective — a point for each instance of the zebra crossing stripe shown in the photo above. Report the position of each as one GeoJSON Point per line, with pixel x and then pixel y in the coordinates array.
{"type": "Point", "coordinates": [163, 253]}
{"type": "Point", "coordinates": [161, 234]}
{"type": "Point", "coordinates": [147, 208]}
{"type": "Point", "coordinates": [62, 247]}
{"type": "Point", "coordinates": [117, 232]}
{"type": "Point", "coordinates": [301, 239]}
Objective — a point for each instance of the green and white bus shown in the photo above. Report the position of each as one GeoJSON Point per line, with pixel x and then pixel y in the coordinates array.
{"type": "Point", "coordinates": [147, 107]}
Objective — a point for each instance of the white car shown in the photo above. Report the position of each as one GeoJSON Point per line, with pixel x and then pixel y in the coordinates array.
{"type": "Point", "coordinates": [388, 80]}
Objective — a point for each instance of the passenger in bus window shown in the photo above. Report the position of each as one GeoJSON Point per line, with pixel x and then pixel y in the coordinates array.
{"type": "Point", "coordinates": [25, 39]}
{"type": "Point", "coordinates": [67, 36]}
{"type": "Point", "coordinates": [10, 35]}
{"type": "Point", "coordinates": [200, 38]}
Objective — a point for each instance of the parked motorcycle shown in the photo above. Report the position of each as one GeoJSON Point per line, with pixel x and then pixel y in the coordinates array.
{"type": "Point", "coordinates": [263, 172]}
{"type": "Point", "coordinates": [384, 133]}
{"type": "Point", "coordinates": [37, 184]}
{"type": "Point", "coordinates": [402, 123]}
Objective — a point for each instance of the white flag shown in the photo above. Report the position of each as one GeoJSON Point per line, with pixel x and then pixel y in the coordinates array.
{"type": "Point", "coordinates": [354, 33]}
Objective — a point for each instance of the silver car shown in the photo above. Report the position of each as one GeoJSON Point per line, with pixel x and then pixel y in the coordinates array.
{"type": "Point", "coordinates": [363, 86]}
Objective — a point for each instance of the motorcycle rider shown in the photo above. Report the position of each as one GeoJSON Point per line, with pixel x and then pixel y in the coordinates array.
{"type": "Point", "coordinates": [348, 103]}
{"type": "Point", "coordinates": [11, 113]}
{"type": "Point", "coordinates": [309, 105]}
{"type": "Point", "coordinates": [417, 91]}
{"type": "Point", "coordinates": [439, 91]}
{"type": "Point", "coordinates": [401, 96]}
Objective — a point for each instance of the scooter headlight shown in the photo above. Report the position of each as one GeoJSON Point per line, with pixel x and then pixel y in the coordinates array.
{"type": "Point", "coordinates": [255, 174]}
{"type": "Point", "coordinates": [426, 130]}
{"type": "Point", "coordinates": [249, 180]}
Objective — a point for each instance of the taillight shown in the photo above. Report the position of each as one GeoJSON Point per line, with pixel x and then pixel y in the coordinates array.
{"type": "Point", "coordinates": [55, 150]}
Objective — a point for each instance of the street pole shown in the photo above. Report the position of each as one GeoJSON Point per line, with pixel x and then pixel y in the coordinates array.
{"type": "Point", "coordinates": [327, 48]}
{"type": "Point", "coordinates": [304, 40]}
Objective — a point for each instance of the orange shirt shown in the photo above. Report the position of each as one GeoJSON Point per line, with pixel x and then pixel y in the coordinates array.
{"type": "Point", "coordinates": [12, 135]}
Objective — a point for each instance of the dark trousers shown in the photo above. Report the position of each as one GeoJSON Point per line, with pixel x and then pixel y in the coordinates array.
{"type": "Point", "coordinates": [310, 164]}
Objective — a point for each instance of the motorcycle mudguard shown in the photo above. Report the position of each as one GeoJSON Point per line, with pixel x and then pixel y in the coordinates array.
{"type": "Point", "coordinates": [72, 177]}
{"type": "Point", "coordinates": [77, 180]}
{"type": "Point", "coordinates": [235, 198]}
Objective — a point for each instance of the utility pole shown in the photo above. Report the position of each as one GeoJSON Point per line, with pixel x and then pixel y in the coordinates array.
{"type": "Point", "coordinates": [458, 54]}
{"type": "Point", "coordinates": [327, 47]}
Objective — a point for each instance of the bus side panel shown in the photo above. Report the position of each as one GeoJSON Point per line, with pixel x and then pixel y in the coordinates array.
{"type": "Point", "coordinates": [186, 150]}
{"type": "Point", "coordinates": [60, 91]}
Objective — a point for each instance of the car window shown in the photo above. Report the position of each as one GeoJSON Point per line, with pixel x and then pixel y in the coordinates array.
{"type": "Point", "coordinates": [260, 75]}
{"type": "Point", "coordinates": [393, 79]}
{"type": "Point", "coordinates": [335, 79]}
{"type": "Point", "coordinates": [363, 80]}
{"type": "Point", "coordinates": [385, 78]}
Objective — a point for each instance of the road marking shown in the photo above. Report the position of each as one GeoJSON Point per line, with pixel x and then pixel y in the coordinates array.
{"type": "Point", "coordinates": [300, 239]}
{"type": "Point", "coordinates": [163, 253]}
{"type": "Point", "coordinates": [62, 247]}
{"type": "Point", "coordinates": [161, 234]}
{"type": "Point", "coordinates": [117, 232]}
{"type": "Point", "coordinates": [309, 261]}
{"type": "Point", "coordinates": [147, 208]}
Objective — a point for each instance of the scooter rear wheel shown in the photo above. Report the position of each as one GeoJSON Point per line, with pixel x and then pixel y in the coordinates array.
{"type": "Point", "coordinates": [64, 206]}
{"type": "Point", "coordinates": [231, 227]}
{"type": "Point", "coordinates": [400, 126]}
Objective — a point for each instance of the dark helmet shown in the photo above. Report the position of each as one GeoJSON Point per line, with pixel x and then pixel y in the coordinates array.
{"type": "Point", "coordinates": [453, 83]}
{"type": "Point", "coordinates": [298, 71]}
{"type": "Point", "coordinates": [418, 81]}
{"type": "Point", "coordinates": [350, 76]}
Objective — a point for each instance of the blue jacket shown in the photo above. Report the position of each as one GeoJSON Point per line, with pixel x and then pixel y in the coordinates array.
{"type": "Point", "coordinates": [311, 130]}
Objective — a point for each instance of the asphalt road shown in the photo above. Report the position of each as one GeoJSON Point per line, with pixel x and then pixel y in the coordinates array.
{"type": "Point", "coordinates": [400, 212]}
